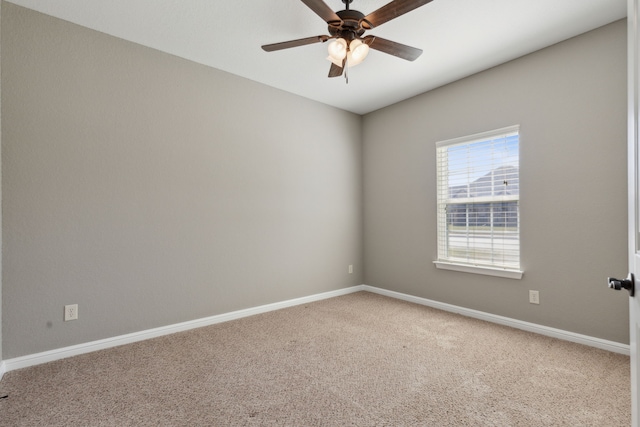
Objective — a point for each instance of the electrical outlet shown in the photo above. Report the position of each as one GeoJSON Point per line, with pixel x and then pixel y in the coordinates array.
{"type": "Point", "coordinates": [70, 312]}
{"type": "Point", "coordinates": [534, 297]}
{"type": "Point", "coordinates": [350, 269]}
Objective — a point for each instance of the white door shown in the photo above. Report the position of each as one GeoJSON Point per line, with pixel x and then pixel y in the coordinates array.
{"type": "Point", "coordinates": [634, 185]}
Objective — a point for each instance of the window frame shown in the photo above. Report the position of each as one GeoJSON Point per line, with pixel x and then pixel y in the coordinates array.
{"type": "Point", "coordinates": [442, 262]}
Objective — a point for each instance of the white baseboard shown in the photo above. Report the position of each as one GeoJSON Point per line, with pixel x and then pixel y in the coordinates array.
{"type": "Point", "coordinates": [61, 353]}
{"type": "Point", "coordinates": [75, 350]}
{"type": "Point", "coordinates": [612, 346]}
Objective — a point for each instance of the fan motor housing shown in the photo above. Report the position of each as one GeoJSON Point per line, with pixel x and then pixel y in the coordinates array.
{"type": "Point", "coordinates": [351, 25]}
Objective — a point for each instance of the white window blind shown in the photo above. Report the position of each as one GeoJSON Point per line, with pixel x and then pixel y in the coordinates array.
{"type": "Point", "coordinates": [478, 200]}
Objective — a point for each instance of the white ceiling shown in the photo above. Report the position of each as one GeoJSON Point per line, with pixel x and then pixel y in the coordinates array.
{"type": "Point", "coordinates": [458, 37]}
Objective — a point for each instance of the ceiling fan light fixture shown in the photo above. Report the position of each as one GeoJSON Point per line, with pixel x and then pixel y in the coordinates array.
{"type": "Point", "coordinates": [337, 51]}
{"type": "Point", "coordinates": [358, 51]}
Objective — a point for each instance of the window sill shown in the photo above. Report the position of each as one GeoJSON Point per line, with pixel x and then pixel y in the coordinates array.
{"type": "Point", "coordinates": [488, 271]}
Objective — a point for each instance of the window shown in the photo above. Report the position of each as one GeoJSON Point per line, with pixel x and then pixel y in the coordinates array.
{"type": "Point", "coordinates": [478, 203]}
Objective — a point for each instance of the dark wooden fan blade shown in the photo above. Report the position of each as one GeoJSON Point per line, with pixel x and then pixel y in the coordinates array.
{"type": "Point", "coordinates": [335, 71]}
{"type": "Point", "coordinates": [390, 11]}
{"type": "Point", "coordinates": [294, 43]}
{"type": "Point", "coordinates": [393, 48]}
{"type": "Point", "coordinates": [322, 10]}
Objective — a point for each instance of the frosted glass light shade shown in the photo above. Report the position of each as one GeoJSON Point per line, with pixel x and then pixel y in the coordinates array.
{"type": "Point", "coordinates": [357, 52]}
{"type": "Point", "coordinates": [337, 51]}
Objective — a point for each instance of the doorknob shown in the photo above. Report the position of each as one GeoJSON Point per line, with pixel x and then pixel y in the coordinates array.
{"type": "Point", "coordinates": [628, 284]}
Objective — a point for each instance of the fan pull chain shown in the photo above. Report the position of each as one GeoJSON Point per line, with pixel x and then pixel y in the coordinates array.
{"type": "Point", "coordinates": [346, 71]}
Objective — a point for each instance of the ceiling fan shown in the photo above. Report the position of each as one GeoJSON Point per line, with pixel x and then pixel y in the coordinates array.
{"type": "Point", "coordinates": [347, 27]}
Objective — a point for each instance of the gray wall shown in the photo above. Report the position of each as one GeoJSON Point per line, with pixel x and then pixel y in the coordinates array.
{"type": "Point", "coordinates": [151, 190]}
{"type": "Point", "coordinates": [570, 101]}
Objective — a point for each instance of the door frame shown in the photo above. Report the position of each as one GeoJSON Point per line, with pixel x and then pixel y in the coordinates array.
{"type": "Point", "coordinates": [633, 92]}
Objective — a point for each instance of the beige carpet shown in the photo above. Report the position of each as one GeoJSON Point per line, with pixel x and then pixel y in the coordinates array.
{"type": "Point", "coordinates": [356, 360]}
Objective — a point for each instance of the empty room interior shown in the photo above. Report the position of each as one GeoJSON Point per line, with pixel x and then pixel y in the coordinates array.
{"type": "Point", "coordinates": [148, 194]}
